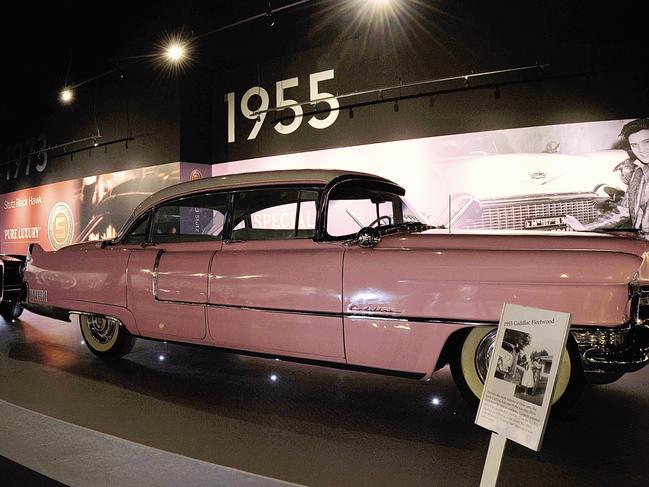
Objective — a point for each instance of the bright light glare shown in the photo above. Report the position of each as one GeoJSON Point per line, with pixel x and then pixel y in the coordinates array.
{"type": "Point", "coordinates": [161, 358]}
{"type": "Point", "coordinates": [273, 378]}
{"type": "Point", "coordinates": [435, 401]}
{"type": "Point", "coordinates": [175, 52]}
{"type": "Point", "coordinates": [66, 96]}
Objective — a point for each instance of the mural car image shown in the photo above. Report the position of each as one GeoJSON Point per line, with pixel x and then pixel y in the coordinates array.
{"type": "Point", "coordinates": [335, 267]}
{"type": "Point", "coordinates": [532, 191]}
{"type": "Point", "coordinates": [114, 208]}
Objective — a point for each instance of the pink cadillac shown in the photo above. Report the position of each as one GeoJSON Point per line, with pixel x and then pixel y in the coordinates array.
{"type": "Point", "coordinates": [334, 267]}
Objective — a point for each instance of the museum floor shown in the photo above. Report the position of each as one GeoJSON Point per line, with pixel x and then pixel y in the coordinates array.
{"type": "Point", "coordinates": [194, 410]}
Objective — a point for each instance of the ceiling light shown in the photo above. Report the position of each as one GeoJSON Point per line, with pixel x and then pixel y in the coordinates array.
{"type": "Point", "coordinates": [175, 52]}
{"type": "Point", "coordinates": [66, 96]}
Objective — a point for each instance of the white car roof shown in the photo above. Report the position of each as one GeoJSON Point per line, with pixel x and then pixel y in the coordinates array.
{"type": "Point", "coordinates": [315, 177]}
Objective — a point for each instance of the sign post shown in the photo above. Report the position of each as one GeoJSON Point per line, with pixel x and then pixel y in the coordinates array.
{"type": "Point", "coordinates": [515, 404]}
{"type": "Point", "coordinates": [493, 461]}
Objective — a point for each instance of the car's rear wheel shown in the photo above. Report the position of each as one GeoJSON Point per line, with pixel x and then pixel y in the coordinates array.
{"type": "Point", "coordinates": [471, 362]}
{"type": "Point", "coordinates": [105, 336]}
{"type": "Point", "coordinates": [11, 310]}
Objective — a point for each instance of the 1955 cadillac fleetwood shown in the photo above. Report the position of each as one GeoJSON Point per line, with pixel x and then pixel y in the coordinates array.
{"type": "Point", "coordinates": [335, 267]}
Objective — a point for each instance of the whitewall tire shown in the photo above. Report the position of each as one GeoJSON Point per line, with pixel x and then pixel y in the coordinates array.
{"type": "Point", "coordinates": [106, 337]}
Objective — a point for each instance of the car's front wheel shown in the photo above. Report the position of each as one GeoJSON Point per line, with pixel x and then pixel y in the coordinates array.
{"type": "Point", "coordinates": [471, 362]}
{"type": "Point", "coordinates": [106, 337]}
{"type": "Point", "coordinates": [10, 310]}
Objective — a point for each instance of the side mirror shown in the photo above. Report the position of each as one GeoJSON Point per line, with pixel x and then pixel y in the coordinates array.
{"type": "Point", "coordinates": [368, 237]}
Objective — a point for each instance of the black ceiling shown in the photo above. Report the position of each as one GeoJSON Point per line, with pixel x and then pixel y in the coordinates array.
{"type": "Point", "coordinates": [49, 44]}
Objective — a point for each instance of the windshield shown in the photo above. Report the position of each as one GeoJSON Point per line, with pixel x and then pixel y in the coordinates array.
{"type": "Point", "coordinates": [354, 205]}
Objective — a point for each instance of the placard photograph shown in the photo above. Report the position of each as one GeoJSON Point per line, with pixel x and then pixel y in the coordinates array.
{"type": "Point", "coordinates": [524, 365]}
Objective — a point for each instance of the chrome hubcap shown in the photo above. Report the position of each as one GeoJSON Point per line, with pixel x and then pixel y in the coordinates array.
{"type": "Point", "coordinates": [483, 354]}
{"type": "Point", "coordinates": [101, 328]}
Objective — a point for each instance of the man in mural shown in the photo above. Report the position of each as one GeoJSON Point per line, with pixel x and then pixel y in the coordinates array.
{"type": "Point", "coordinates": [632, 210]}
{"type": "Point", "coordinates": [636, 134]}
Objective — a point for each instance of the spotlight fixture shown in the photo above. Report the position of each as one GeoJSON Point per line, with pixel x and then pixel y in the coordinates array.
{"type": "Point", "coordinates": [270, 20]}
{"type": "Point", "coordinates": [66, 96]}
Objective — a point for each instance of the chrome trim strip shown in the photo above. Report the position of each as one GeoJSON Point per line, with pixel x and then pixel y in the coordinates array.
{"type": "Point", "coordinates": [209, 272]}
{"type": "Point", "coordinates": [85, 313]}
{"type": "Point", "coordinates": [154, 275]}
{"type": "Point", "coordinates": [411, 319]}
{"type": "Point", "coordinates": [380, 317]}
{"type": "Point", "coordinates": [331, 314]}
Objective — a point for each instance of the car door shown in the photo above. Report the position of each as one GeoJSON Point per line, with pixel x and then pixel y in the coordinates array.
{"type": "Point", "coordinates": [168, 275]}
{"type": "Point", "coordinates": [272, 288]}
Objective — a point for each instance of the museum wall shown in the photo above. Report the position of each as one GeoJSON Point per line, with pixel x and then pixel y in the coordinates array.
{"type": "Point", "coordinates": [419, 69]}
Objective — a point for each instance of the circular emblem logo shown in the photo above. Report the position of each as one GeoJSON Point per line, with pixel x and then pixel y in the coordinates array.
{"type": "Point", "coordinates": [60, 226]}
{"type": "Point", "coordinates": [195, 174]}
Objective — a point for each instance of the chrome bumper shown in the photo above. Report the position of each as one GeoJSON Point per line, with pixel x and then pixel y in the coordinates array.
{"type": "Point", "coordinates": [617, 350]}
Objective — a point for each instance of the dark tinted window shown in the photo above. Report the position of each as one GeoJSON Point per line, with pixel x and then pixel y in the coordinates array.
{"type": "Point", "coordinates": [189, 219]}
{"type": "Point", "coordinates": [139, 234]}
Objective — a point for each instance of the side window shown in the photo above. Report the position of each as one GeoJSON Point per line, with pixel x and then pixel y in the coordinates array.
{"type": "Point", "coordinates": [139, 233]}
{"type": "Point", "coordinates": [353, 206]}
{"type": "Point", "coordinates": [190, 219]}
{"type": "Point", "coordinates": [274, 214]}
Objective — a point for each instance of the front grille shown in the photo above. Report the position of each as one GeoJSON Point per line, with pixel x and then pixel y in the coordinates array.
{"type": "Point", "coordinates": [513, 216]}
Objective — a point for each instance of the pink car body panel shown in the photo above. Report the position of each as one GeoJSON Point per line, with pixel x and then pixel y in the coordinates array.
{"type": "Point", "coordinates": [173, 313]}
{"type": "Point", "coordinates": [394, 344]}
{"type": "Point", "coordinates": [443, 277]}
{"type": "Point", "coordinates": [84, 272]}
{"type": "Point", "coordinates": [299, 276]}
{"type": "Point", "coordinates": [296, 335]}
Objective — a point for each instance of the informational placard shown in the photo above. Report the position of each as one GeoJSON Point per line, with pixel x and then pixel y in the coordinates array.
{"type": "Point", "coordinates": [522, 373]}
